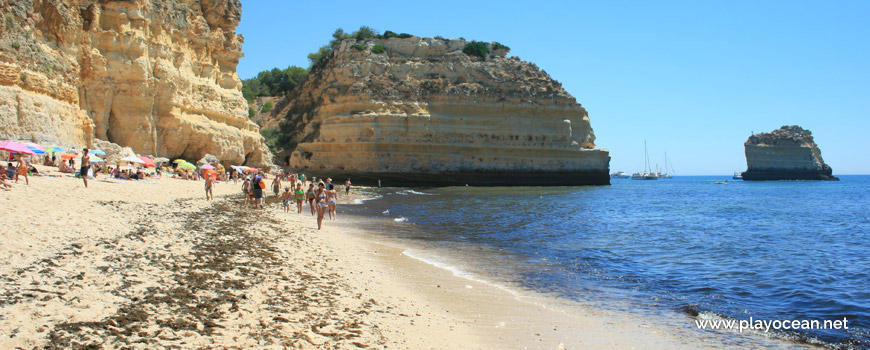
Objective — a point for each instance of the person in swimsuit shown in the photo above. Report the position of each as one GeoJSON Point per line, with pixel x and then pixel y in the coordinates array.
{"type": "Point", "coordinates": [347, 187]}
{"type": "Point", "coordinates": [300, 197]}
{"type": "Point", "coordinates": [331, 198]}
{"type": "Point", "coordinates": [86, 164]}
{"type": "Point", "coordinates": [276, 185]}
{"type": "Point", "coordinates": [246, 190]}
{"type": "Point", "coordinates": [321, 204]}
{"type": "Point", "coordinates": [209, 183]}
{"type": "Point", "coordinates": [311, 195]}
{"type": "Point", "coordinates": [22, 169]}
{"type": "Point", "coordinates": [286, 199]}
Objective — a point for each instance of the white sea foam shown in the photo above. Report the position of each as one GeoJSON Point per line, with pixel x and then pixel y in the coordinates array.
{"type": "Point", "coordinates": [363, 200]}
{"type": "Point", "coordinates": [386, 212]}
{"type": "Point", "coordinates": [407, 192]}
{"type": "Point", "coordinates": [456, 271]}
{"type": "Point", "coordinates": [400, 219]}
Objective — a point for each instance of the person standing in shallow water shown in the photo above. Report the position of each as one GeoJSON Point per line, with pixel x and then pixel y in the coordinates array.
{"type": "Point", "coordinates": [86, 164]}
{"type": "Point", "coordinates": [347, 187]}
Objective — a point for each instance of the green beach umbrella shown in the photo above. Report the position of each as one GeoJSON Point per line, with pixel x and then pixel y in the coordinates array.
{"type": "Point", "coordinates": [187, 165]}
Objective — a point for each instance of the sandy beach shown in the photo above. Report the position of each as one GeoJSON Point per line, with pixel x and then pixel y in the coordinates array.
{"type": "Point", "coordinates": [152, 264]}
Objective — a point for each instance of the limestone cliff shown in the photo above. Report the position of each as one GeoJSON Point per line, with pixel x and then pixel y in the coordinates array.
{"type": "Point", "coordinates": [155, 75]}
{"type": "Point", "coordinates": [788, 153]}
{"type": "Point", "coordinates": [422, 112]}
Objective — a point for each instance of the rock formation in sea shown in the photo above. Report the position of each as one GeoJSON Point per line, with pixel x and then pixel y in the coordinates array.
{"type": "Point", "coordinates": [788, 153]}
{"type": "Point", "coordinates": [158, 76]}
{"type": "Point", "coordinates": [419, 111]}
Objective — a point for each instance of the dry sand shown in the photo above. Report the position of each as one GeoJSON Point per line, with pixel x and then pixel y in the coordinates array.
{"type": "Point", "coordinates": [152, 264]}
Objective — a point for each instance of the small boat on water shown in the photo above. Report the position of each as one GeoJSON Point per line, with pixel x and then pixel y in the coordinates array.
{"type": "Point", "coordinates": [667, 174]}
{"type": "Point", "coordinates": [737, 176]}
{"type": "Point", "coordinates": [647, 173]}
{"type": "Point", "coordinates": [619, 175]}
{"type": "Point", "coordinates": [721, 182]}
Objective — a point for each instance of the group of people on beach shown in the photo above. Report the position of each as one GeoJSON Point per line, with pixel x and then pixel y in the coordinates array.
{"type": "Point", "coordinates": [321, 196]}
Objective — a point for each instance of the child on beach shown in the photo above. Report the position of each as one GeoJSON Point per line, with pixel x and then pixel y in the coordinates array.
{"type": "Point", "coordinates": [22, 169]}
{"type": "Point", "coordinates": [300, 196]}
{"type": "Point", "coordinates": [246, 190]}
{"type": "Point", "coordinates": [286, 199]}
{"type": "Point", "coordinates": [209, 183]}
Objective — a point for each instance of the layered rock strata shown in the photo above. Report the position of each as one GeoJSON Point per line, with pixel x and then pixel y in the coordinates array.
{"type": "Point", "coordinates": [154, 75]}
{"type": "Point", "coordinates": [788, 153]}
{"type": "Point", "coordinates": [424, 113]}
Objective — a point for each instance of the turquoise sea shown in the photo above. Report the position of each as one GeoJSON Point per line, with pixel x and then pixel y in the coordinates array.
{"type": "Point", "coordinates": [782, 250]}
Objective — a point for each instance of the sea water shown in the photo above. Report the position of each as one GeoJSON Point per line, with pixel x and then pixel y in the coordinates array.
{"type": "Point", "coordinates": [780, 250]}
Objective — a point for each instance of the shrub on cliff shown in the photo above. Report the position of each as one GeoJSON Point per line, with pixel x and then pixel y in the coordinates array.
{"type": "Point", "coordinates": [359, 47]}
{"type": "Point", "coordinates": [276, 82]}
{"type": "Point", "coordinates": [390, 34]}
{"type": "Point", "coordinates": [378, 48]}
{"type": "Point", "coordinates": [476, 48]}
{"type": "Point", "coordinates": [499, 46]}
{"type": "Point", "coordinates": [267, 107]}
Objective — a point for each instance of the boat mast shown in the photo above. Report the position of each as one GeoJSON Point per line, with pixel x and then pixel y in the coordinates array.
{"type": "Point", "coordinates": [645, 159]}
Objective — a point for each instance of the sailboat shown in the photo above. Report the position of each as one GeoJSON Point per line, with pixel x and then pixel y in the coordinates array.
{"type": "Point", "coordinates": [667, 175]}
{"type": "Point", "coordinates": [646, 174]}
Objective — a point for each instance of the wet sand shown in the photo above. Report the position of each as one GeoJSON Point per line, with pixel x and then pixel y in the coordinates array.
{"type": "Point", "coordinates": [153, 264]}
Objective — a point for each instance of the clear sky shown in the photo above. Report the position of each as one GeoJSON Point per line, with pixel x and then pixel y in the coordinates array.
{"type": "Point", "coordinates": [693, 78]}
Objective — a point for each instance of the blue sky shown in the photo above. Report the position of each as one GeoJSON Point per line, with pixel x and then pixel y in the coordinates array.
{"type": "Point", "coordinates": [693, 78]}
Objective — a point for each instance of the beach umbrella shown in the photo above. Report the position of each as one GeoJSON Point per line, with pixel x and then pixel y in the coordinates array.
{"type": "Point", "coordinates": [187, 165]}
{"type": "Point", "coordinates": [54, 149]}
{"type": "Point", "coordinates": [207, 167]}
{"type": "Point", "coordinates": [179, 160]}
{"type": "Point", "coordinates": [148, 162]}
{"type": "Point", "coordinates": [161, 160]}
{"type": "Point", "coordinates": [16, 147]}
{"type": "Point", "coordinates": [34, 147]}
{"type": "Point", "coordinates": [93, 159]}
{"type": "Point", "coordinates": [97, 152]}
{"type": "Point", "coordinates": [132, 159]}
{"type": "Point", "coordinates": [251, 170]}
{"type": "Point", "coordinates": [68, 156]}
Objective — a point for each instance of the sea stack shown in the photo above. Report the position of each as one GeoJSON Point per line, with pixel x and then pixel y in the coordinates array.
{"type": "Point", "coordinates": [788, 153]}
{"type": "Point", "coordinates": [413, 111]}
{"type": "Point", "coordinates": [158, 76]}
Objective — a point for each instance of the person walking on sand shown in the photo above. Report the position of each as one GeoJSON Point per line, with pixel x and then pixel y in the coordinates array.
{"type": "Point", "coordinates": [285, 199]}
{"type": "Point", "coordinates": [300, 197]}
{"type": "Point", "coordinates": [257, 186]}
{"type": "Point", "coordinates": [86, 164]}
{"type": "Point", "coordinates": [311, 196]}
{"type": "Point", "coordinates": [22, 169]}
{"type": "Point", "coordinates": [321, 204]}
{"type": "Point", "coordinates": [209, 183]}
{"type": "Point", "coordinates": [331, 198]}
{"type": "Point", "coordinates": [246, 190]}
{"type": "Point", "coordinates": [276, 184]}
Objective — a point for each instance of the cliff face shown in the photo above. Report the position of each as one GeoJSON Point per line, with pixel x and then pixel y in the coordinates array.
{"type": "Point", "coordinates": [788, 153]}
{"type": "Point", "coordinates": [155, 75]}
{"type": "Point", "coordinates": [423, 112]}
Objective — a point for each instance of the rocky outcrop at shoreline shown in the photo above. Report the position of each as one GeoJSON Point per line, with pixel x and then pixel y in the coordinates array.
{"type": "Point", "coordinates": [158, 76]}
{"type": "Point", "coordinates": [788, 153]}
{"type": "Point", "coordinates": [420, 111]}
